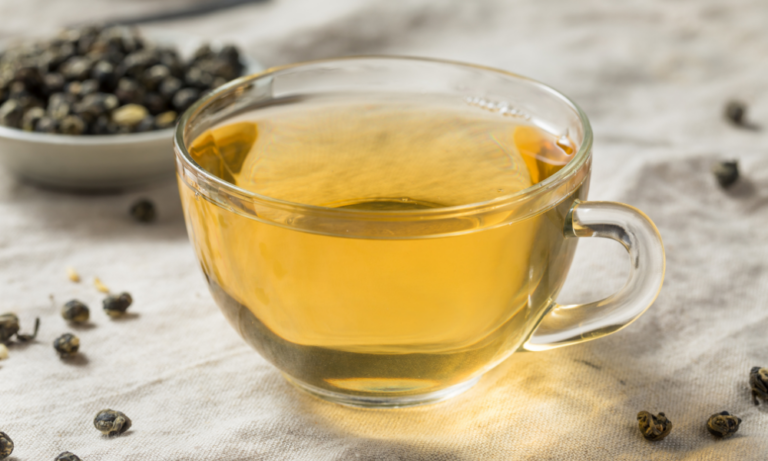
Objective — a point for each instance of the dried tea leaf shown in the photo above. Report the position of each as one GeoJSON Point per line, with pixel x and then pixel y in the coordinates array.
{"type": "Point", "coordinates": [143, 211]}
{"type": "Point", "coordinates": [115, 306]}
{"type": "Point", "coordinates": [111, 422]}
{"type": "Point", "coordinates": [758, 381]}
{"type": "Point", "coordinates": [67, 345]}
{"type": "Point", "coordinates": [25, 338]}
{"type": "Point", "coordinates": [100, 286]}
{"type": "Point", "coordinates": [723, 424]}
{"type": "Point", "coordinates": [735, 112]}
{"type": "Point", "coordinates": [73, 275]}
{"type": "Point", "coordinates": [653, 428]}
{"type": "Point", "coordinates": [9, 326]}
{"type": "Point", "coordinates": [75, 311]}
{"type": "Point", "coordinates": [6, 445]}
{"type": "Point", "coordinates": [726, 173]}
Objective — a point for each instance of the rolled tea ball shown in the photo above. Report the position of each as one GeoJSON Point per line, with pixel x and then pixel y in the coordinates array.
{"type": "Point", "coordinates": [6, 445]}
{"type": "Point", "coordinates": [726, 173]}
{"type": "Point", "coordinates": [75, 311]}
{"type": "Point", "coordinates": [147, 124]}
{"type": "Point", "coordinates": [77, 68]}
{"type": "Point", "coordinates": [170, 86]}
{"type": "Point", "coordinates": [11, 113]}
{"type": "Point", "coordinates": [103, 125]}
{"type": "Point", "coordinates": [185, 98]}
{"type": "Point", "coordinates": [116, 306]}
{"type": "Point", "coordinates": [129, 115]}
{"type": "Point", "coordinates": [129, 91]}
{"type": "Point", "coordinates": [72, 125]}
{"type": "Point", "coordinates": [67, 456]}
{"type": "Point", "coordinates": [143, 211]}
{"type": "Point", "coordinates": [30, 76]}
{"type": "Point", "coordinates": [97, 104]}
{"type": "Point", "coordinates": [111, 422]}
{"type": "Point", "coordinates": [198, 78]}
{"type": "Point", "coordinates": [31, 118]}
{"type": "Point", "coordinates": [9, 326]}
{"type": "Point", "coordinates": [723, 424]}
{"type": "Point", "coordinates": [60, 105]}
{"type": "Point", "coordinates": [103, 72]}
{"type": "Point", "coordinates": [652, 427]}
{"type": "Point", "coordinates": [735, 111]}
{"type": "Point", "coordinates": [67, 345]}
{"type": "Point", "coordinates": [155, 103]}
{"type": "Point", "coordinates": [204, 51]}
{"type": "Point", "coordinates": [47, 124]}
{"type": "Point", "coordinates": [54, 83]}
{"type": "Point", "coordinates": [153, 76]}
{"type": "Point", "coordinates": [89, 87]}
{"type": "Point", "coordinates": [165, 120]}
{"type": "Point", "coordinates": [758, 381]}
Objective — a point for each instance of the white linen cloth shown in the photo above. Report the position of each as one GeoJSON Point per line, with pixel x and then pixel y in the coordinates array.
{"type": "Point", "coordinates": [653, 76]}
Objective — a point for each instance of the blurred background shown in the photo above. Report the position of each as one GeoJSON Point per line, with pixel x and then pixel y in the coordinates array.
{"type": "Point", "coordinates": [627, 64]}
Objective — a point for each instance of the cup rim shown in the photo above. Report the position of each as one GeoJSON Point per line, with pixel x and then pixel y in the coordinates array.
{"type": "Point", "coordinates": [571, 168]}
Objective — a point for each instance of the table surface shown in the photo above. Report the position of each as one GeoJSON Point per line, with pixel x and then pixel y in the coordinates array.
{"type": "Point", "coordinates": [653, 76]}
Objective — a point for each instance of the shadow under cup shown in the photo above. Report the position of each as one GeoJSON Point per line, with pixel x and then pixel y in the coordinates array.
{"type": "Point", "coordinates": [395, 308]}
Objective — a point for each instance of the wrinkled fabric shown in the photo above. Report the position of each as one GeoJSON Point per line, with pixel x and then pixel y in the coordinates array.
{"type": "Point", "coordinates": [653, 76]}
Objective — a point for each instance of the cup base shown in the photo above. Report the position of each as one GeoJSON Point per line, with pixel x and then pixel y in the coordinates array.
{"type": "Point", "coordinates": [362, 401]}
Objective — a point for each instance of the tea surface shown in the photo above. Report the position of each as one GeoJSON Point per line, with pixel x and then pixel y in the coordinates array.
{"type": "Point", "coordinates": [372, 315]}
{"type": "Point", "coordinates": [405, 154]}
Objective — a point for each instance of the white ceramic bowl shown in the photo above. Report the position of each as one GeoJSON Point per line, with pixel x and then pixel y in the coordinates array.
{"type": "Point", "coordinates": [88, 162]}
{"type": "Point", "coordinates": [91, 162]}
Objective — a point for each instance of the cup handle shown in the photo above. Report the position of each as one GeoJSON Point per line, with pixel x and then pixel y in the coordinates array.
{"type": "Point", "coordinates": [575, 323]}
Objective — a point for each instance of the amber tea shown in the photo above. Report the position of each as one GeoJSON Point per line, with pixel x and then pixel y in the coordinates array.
{"type": "Point", "coordinates": [384, 230]}
{"type": "Point", "coordinates": [386, 312]}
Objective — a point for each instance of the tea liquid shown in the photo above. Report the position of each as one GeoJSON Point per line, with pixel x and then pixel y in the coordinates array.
{"type": "Point", "coordinates": [381, 315]}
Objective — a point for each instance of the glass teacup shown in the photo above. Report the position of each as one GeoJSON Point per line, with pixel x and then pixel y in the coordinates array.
{"type": "Point", "coordinates": [350, 236]}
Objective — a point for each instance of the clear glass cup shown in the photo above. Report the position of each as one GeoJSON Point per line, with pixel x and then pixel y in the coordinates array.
{"type": "Point", "coordinates": [470, 316]}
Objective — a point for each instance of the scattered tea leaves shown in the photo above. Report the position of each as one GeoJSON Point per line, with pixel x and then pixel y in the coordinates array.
{"type": "Point", "coordinates": [67, 456]}
{"type": "Point", "coordinates": [143, 211]}
{"type": "Point", "coordinates": [67, 345]}
{"type": "Point", "coordinates": [73, 275]}
{"type": "Point", "coordinates": [6, 445]}
{"type": "Point", "coordinates": [735, 112]}
{"type": "Point", "coordinates": [652, 427]}
{"type": "Point", "coordinates": [104, 80]}
{"type": "Point", "coordinates": [9, 326]}
{"type": "Point", "coordinates": [100, 286]}
{"type": "Point", "coordinates": [75, 311]}
{"type": "Point", "coordinates": [115, 306]}
{"type": "Point", "coordinates": [3, 352]}
{"type": "Point", "coordinates": [726, 173]}
{"type": "Point", "coordinates": [758, 381]}
{"type": "Point", "coordinates": [723, 424]}
{"type": "Point", "coordinates": [111, 422]}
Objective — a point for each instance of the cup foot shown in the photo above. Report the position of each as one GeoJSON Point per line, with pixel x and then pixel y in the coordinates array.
{"type": "Point", "coordinates": [393, 401]}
